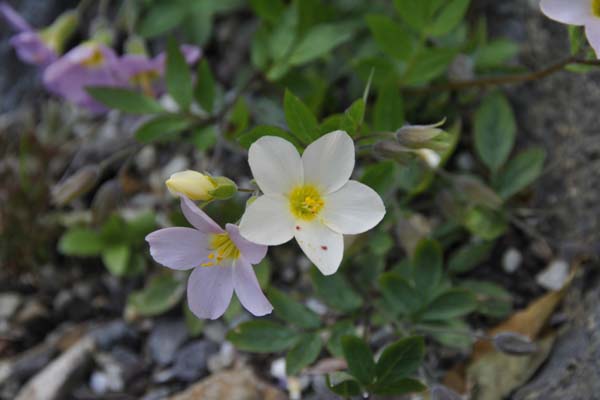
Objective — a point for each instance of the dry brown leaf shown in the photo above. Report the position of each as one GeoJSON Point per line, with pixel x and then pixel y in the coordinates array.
{"type": "Point", "coordinates": [496, 374]}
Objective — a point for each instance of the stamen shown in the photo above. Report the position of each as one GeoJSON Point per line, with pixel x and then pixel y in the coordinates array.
{"type": "Point", "coordinates": [305, 202]}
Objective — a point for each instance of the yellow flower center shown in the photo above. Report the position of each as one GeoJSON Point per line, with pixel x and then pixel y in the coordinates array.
{"type": "Point", "coordinates": [596, 8]}
{"type": "Point", "coordinates": [144, 81]}
{"type": "Point", "coordinates": [223, 248]}
{"type": "Point", "coordinates": [95, 59]}
{"type": "Point", "coordinates": [305, 202]}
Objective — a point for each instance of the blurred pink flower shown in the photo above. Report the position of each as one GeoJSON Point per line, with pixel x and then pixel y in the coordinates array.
{"type": "Point", "coordinates": [146, 73]}
{"type": "Point", "coordinates": [88, 64]}
{"type": "Point", "coordinates": [28, 43]}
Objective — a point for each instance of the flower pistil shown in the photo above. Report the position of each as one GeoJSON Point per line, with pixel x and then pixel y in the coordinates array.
{"type": "Point", "coordinates": [306, 202]}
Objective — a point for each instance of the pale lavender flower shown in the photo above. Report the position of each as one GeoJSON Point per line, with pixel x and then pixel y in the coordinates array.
{"type": "Point", "coordinates": [29, 44]}
{"type": "Point", "coordinates": [221, 261]}
{"type": "Point", "coordinates": [146, 73]}
{"type": "Point", "coordinates": [577, 12]}
{"type": "Point", "coordinates": [89, 64]}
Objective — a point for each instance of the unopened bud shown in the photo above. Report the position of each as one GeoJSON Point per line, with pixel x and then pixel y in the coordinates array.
{"type": "Point", "coordinates": [76, 185]}
{"type": "Point", "coordinates": [514, 344]}
{"type": "Point", "coordinates": [430, 157]}
{"type": "Point", "coordinates": [56, 35]}
{"type": "Point", "coordinates": [225, 189]}
{"type": "Point", "coordinates": [413, 134]}
{"type": "Point", "coordinates": [135, 45]}
{"type": "Point", "coordinates": [192, 184]}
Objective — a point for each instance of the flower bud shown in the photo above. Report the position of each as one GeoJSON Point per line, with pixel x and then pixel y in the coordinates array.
{"type": "Point", "coordinates": [56, 35]}
{"type": "Point", "coordinates": [415, 134]}
{"type": "Point", "coordinates": [225, 189]}
{"type": "Point", "coordinates": [76, 185]}
{"type": "Point", "coordinates": [135, 45]}
{"type": "Point", "coordinates": [192, 184]}
{"type": "Point", "coordinates": [430, 157]}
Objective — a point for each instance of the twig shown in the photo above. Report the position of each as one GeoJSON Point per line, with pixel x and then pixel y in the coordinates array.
{"type": "Point", "coordinates": [504, 79]}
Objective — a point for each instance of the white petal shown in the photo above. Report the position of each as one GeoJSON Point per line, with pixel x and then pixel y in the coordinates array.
{"type": "Point", "coordinates": [353, 209]}
{"type": "Point", "coordinates": [572, 12]}
{"type": "Point", "coordinates": [324, 247]}
{"type": "Point", "coordinates": [275, 164]}
{"type": "Point", "coordinates": [328, 161]}
{"type": "Point", "coordinates": [268, 221]}
{"type": "Point", "coordinates": [592, 32]}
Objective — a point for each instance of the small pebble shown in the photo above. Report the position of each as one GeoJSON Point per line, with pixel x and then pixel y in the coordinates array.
{"type": "Point", "coordinates": [554, 276]}
{"type": "Point", "coordinates": [511, 260]}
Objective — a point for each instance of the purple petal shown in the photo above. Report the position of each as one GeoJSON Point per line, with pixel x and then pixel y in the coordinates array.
{"type": "Point", "coordinates": [69, 76]}
{"type": "Point", "coordinates": [131, 65]}
{"type": "Point", "coordinates": [248, 290]}
{"type": "Point", "coordinates": [198, 218]}
{"type": "Point", "coordinates": [252, 252]}
{"type": "Point", "coordinates": [209, 291]}
{"type": "Point", "coordinates": [178, 248]}
{"type": "Point", "coordinates": [572, 12]}
{"type": "Point", "coordinates": [31, 49]}
{"type": "Point", "coordinates": [14, 18]}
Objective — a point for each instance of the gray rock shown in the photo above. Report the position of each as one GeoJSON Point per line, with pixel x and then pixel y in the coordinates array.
{"type": "Point", "coordinates": [9, 303]}
{"type": "Point", "coordinates": [164, 340]}
{"type": "Point", "coordinates": [192, 359]}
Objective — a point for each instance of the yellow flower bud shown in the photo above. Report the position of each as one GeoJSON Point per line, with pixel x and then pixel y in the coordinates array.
{"type": "Point", "coordinates": [192, 184]}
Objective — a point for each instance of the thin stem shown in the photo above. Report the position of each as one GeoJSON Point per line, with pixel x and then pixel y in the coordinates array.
{"type": "Point", "coordinates": [246, 190]}
{"type": "Point", "coordinates": [505, 79]}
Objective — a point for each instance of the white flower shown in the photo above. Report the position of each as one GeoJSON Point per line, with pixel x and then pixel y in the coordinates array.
{"type": "Point", "coordinates": [310, 198]}
{"type": "Point", "coordinates": [577, 12]}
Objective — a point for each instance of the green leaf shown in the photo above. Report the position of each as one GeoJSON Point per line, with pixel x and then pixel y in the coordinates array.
{"type": "Point", "coordinates": [140, 226]}
{"type": "Point", "coordinates": [159, 295]}
{"type": "Point", "coordinates": [269, 10]}
{"type": "Point", "coordinates": [450, 15]}
{"type": "Point", "coordinates": [116, 259]}
{"type": "Point", "coordinates": [354, 117]}
{"type": "Point", "coordinates": [399, 293]}
{"type": "Point", "coordinates": [343, 384]}
{"type": "Point", "coordinates": [495, 53]}
{"type": "Point", "coordinates": [291, 311]}
{"type": "Point", "coordinates": [246, 139]}
{"type": "Point", "coordinates": [81, 242]}
{"type": "Point", "coordinates": [299, 118]}
{"type": "Point", "coordinates": [469, 256]}
{"type": "Point", "coordinates": [492, 300]}
{"type": "Point", "coordinates": [427, 65]}
{"type": "Point", "coordinates": [427, 266]}
{"type": "Point", "coordinates": [282, 38]}
{"type": "Point", "coordinates": [359, 357]}
{"type": "Point", "coordinates": [452, 333]}
{"type": "Point", "coordinates": [335, 291]}
{"type": "Point", "coordinates": [390, 36]}
{"type": "Point", "coordinates": [519, 172]}
{"type": "Point", "coordinates": [485, 223]}
{"type": "Point", "coordinates": [178, 76]}
{"type": "Point", "coordinates": [389, 109]}
{"type": "Point", "coordinates": [399, 387]}
{"type": "Point", "coordinates": [337, 331]}
{"type": "Point", "coordinates": [453, 303]}
{"type": "Point", "coordinates": [399, 360]}
{"type": "Point", "coordinates": [381, 177]}
{"type": "Point", "coordinates": [318, 41]}
{"type": "Point", "coordinates": [194, 325]}
{"type": "Point", "coordinates": [495, 130]}
{"type": "Point", "coordinates": [205, 87]}
{"type": "Point", "coordinates": [161, 127]}
{"type": "Point", "coordinates": [416, 14]}
{"type": "Point", "coordinates": [261, 336]}
{"type": "Point", "coordinates": [304, 353]}
{"type": "Point", "coordinates": [380, 243]}
{"type": "Point", "coordinates": [576, 38]}
{"type": "Point", "coordinates": [259, 50]}
{"type": "Point", "coordinates": [125, 100]}
{"type": "Point", "coordinates": [161, 18]}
